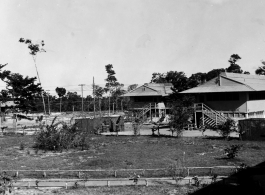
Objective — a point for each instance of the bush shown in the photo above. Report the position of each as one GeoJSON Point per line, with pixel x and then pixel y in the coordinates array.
{"type": "Point", "coordinates": [232, 151]}
{"type": "Point", "coordinates": [59, 136]}
{"type": "Point", "coordinates": [227, 127]}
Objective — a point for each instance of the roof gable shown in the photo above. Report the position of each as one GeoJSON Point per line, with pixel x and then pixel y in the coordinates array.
{"type": "Point", "coordinates": [151, 89]}
{"type": "Point", "coordinates": [231, 82]}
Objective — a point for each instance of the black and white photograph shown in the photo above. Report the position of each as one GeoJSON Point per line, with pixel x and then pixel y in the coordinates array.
{"type": "Point", "coordinates": [132, 97]}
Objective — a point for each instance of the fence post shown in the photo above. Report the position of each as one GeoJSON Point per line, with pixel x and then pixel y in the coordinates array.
{"type": "Point", "coordinates": [44, 174]}
{"type": "Point", "coordinates": [188, 172]}
{"type": "Point", "coordinates": [17, 174]}
{"type": "Point", "coordinates": [65, 185]}
{"type": "Point", "coordinates": [79, 175]}
{"type": "Point", "coordinates": [115, 173]}
{"type": "Point", "coordinates": [108, 184]}
{"type": "Point", "coordinates": [146, 182]}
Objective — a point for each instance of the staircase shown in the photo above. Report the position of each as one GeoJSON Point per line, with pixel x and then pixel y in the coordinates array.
{"type": "Point", "coordinates": [140, 115]}
{"type": "Point", "coordinates": [209, 117]}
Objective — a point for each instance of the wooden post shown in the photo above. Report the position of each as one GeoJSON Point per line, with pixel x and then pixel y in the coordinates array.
{"type": "Point", "coordinates": [195, 120]}
{"type": "Point", "coordinates": [115, 173]}
{"type": "Point", "coordinates": [108, 184]}
{"type": "Point", "coordinates": [155, 110]}
{"type": "Point", "coordinates": [151, 112]}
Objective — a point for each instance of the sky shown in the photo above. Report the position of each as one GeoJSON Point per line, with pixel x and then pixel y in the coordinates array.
{"type": "Point", "coordinates": [138, 37]}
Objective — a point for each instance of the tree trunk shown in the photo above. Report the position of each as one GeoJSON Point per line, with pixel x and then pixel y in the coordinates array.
{"type": "Point", "coordinates": [61, 105]}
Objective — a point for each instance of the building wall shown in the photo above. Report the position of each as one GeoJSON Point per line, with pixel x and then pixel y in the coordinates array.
{"type": "Point", "coordinates": [256, 105]}
{"type": "Point", "coordinates": [236, 105]}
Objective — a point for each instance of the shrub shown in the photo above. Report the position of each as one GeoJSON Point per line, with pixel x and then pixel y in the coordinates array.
{"type": "Point", "coordinates": [59, 136]}
{"type": "Point", "coordinates": [181, 114]}
{"type": "Point", "coordinates": [227, 127]}
{"type": "Point", "coordinates": [232, 151]}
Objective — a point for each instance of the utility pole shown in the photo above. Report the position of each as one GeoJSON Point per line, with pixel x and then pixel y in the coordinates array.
{"type": "Point", "coordinates": [94, 98]}
{"type": "Point", "coordinates": [49, 107]}
{"type": "Point", "coordinates": [82, 97]}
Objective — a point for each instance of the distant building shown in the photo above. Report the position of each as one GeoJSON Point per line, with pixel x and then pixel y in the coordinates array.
{"type": "Point", "coordinates": [229, 95]}
{"type": "Point", "coordinates": [147, 97]}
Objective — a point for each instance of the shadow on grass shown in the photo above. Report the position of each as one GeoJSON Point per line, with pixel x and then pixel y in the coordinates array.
{"type": "Point", "coordinates": [220, 138]}
{"type": "Point", "coordinates": [247, 180]}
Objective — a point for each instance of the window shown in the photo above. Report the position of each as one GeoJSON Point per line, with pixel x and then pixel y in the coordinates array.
{"type": "Point", "coordinates": [222, 96]}
{"type": "Point", "coordinates": [260, 95]}
{"type": "Point", "coordinates": [145, 99]}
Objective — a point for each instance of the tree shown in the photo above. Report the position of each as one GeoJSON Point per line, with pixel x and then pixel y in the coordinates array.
{"type": "Point", "coordinates": [261, 69]}
{"type": "Point", "coordinates": [60, 92]}
{"type": "Point", "coordinates": [227, 127]}
{"type": "Point", "coordinates": [98, 93]}
{"type": "Point", "coordinates": [112, 84]}
{"type": "Point", "coordinates": [23, 90]}
{"type": "Point", "coordinates": [181, 114]}
{"type": "Point", "coordinates": [72, 101]}
{"type": "Point", "coordinates": [196, 79]}
{"type": "Point", "coordinates": [34, 49]}
{"type": "Point", "coordinates": [158, 78]}
{"type": "Point", "coordinates": [132, 87]}
{"type": "Point", "coordinates": [214, 73]}
{"type": "Point", "coordinates": [178, 80]}
{"type": "Point", "coordinates": [235, 68]}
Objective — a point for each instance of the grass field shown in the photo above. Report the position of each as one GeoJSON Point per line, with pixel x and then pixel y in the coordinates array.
{"type": "Point", "coordinates": [163, 189]}
{"type": "Point", "coordinates": [128, 152]}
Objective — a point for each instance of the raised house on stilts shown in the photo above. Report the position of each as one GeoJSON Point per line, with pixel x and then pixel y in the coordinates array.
{"type": "Point", "coordinates": [150, 100]}
{"type": "Point", "coordinates": [233, 95]}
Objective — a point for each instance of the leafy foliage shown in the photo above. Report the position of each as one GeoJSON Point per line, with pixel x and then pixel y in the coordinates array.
{"type": "Point", "coordinates": [235, 68]}
{"type": "Point", "coordinates": [132, 87]}
{"type": "Point", "coordinates": [113, 86]}
{"type": "Point", "coordinates": [261, 69]}
{"type": "Point", "coordinates": [227, 127]}
{"type": "Point", "coordinates": [22, 90]}
{"type": "Point", "coordinates": [59, 136]}
{"type": "Point", "coordinates": [232, 151]}
{"type": "Point", "coordinates": [178, 79]}
{"type": "Point", "coordinates": [181, 114]}
{"type": "Point", "coordinates": [34, 48]}
{"type": "Point", "coordinates": [60, 92]}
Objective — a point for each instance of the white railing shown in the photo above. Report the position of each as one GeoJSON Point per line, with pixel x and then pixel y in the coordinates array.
{"type": "Point", "coordinates": [257, 114]}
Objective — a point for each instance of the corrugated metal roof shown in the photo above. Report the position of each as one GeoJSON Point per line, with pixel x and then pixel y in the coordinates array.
{"type": "Point", "coordinates": [216, 88]}
{"type": "Point", "coordinates": [159, 89]}
{"type": "Point", "coordinates": [242, 82]}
